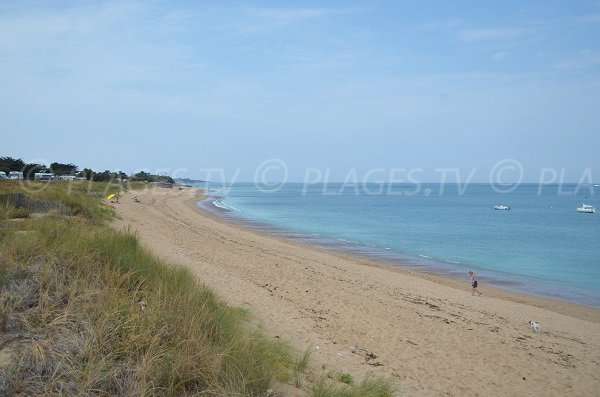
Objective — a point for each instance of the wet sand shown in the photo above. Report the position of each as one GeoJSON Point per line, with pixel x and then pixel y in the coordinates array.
{"type": "Point", "coordinates": [364, 317]}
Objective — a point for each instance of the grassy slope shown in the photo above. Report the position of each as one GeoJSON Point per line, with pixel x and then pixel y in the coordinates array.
{"type": "Point", "coordinates": [70, 289]}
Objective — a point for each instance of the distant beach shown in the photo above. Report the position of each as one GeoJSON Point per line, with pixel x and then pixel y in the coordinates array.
{"type": "Point", "coordinates": [365, 318]}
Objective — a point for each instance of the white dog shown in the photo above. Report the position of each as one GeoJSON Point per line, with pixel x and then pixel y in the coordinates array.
{"type": "Point", "coordinates": [535, 326]}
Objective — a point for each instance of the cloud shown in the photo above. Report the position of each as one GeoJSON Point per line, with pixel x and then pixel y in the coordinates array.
{"type": "Point", "coordinates": [491, 34]}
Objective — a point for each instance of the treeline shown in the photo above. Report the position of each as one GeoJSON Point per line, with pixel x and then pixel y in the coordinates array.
{"type": "Point", "coordinates": [9, 164]}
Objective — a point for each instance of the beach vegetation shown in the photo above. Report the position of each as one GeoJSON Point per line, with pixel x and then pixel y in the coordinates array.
{"type": "Point", "coordinates": [92, 312]}
{"type": "Point", "coordinates": [346, 378]}
{"type": "Point", "coordinates": [86, 310]}
{"type": "Point", "coordinates": [300, 365]}
{"type": "Point", "coordinates": [369, 387]}
{"type": "Point", "coordinates": [15, 213]}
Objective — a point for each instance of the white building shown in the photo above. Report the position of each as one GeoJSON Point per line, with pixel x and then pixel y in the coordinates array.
{"type": "Point", "coordinates": [15, 175]}
{"type": "Point", "coordinates": [43, 176]}
{"type": "Point", "coordinates": [66, 177]}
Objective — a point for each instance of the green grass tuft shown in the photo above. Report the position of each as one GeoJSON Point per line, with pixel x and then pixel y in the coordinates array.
{"type": "Point", "coordinates": [346, 378]}
{"type": "Point", "coordinates": [370, 387]}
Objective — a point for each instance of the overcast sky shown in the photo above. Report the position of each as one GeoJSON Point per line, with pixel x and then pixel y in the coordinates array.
{"type": "Point", "coordinates": [320, 85]}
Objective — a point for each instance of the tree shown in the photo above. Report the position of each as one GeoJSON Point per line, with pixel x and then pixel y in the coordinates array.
{"type": "Point", "coordinates": [147, 177]}
{"type": "Point", "coordinates": [142, 176]}
{"type": "Point", "coordinates": [86, 173]}
{"type": "Point", "coordinates": [63, 169]}
{"type": "Point", "coordinates": [104, 176]}
{"type": "Point", "coordinates": [8, 164]}
{"type": "Point", "coordinates": [29, 170]}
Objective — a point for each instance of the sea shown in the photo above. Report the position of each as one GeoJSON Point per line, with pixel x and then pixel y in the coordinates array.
{"type": "Point", "coordinates": [541, 246]}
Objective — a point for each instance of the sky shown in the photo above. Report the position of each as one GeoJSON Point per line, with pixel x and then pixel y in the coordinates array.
{"type": "Point", "coordinates": [290, 89]}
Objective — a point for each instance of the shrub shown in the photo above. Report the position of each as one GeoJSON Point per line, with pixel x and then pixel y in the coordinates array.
{"type": "Point", "coordinates": [369, 387]}
{"type": "Point", "coordinates": [346, 378]}
{"type": "Point", "coordinates": [16, 213]}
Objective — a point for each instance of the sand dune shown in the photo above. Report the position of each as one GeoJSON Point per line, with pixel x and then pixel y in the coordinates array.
{"type": "Point", "coordinates": [368, 318]}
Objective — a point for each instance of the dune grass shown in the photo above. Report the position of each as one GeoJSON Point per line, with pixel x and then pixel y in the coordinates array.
{"type": "Point", "coordinates": [370, 387]}
{"type": "Point", "coordinates": [78, 198]}
{"type": "Point", "coordinates": [102, 316]}
{"type": "Point", "coordinates": [93, 313]}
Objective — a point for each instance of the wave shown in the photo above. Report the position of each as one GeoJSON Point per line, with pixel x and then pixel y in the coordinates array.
{"type": "Point", "coordinates": [425, 256]}
{"type": "Point", "coordinates": [220, 204]}
{"type": "Point", "coordinates": [453, 262]}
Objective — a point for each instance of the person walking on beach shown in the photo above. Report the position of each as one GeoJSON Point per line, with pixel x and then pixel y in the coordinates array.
{"type": "Point", "coordinates": [474, 282]}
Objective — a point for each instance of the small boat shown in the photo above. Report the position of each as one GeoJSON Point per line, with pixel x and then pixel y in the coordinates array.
{"type": "Point", "coordinates": [588, 209]}
{"type": "Point", "coordinates": [502, 207]}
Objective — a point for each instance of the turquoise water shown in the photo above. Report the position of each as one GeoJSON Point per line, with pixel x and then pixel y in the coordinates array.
{"type": "Point", "coordinates": [542, 246]}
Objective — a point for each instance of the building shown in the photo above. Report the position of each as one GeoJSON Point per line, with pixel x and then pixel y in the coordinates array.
{"type": "Point", "coordinates": [43, 176]}
{"type": "Point", "coordinates": [15, 175]}
{"type": "Point", "coordinates": [66, 177]}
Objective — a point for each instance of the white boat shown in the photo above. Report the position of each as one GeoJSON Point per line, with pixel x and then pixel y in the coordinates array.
{"type": "Point", "coordinates": [502, 207]}
{"type": "Point", "coordinates": [588, 209]}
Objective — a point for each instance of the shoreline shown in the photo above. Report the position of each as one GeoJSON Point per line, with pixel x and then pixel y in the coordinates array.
{"type": "Point", "coordinates": [431, 273]}
{"type": "Point", "coordinates": [362, 317]}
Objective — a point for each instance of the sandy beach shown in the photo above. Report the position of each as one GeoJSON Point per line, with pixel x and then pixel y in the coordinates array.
{"type": "Point", "coordinates": [364, 317]}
